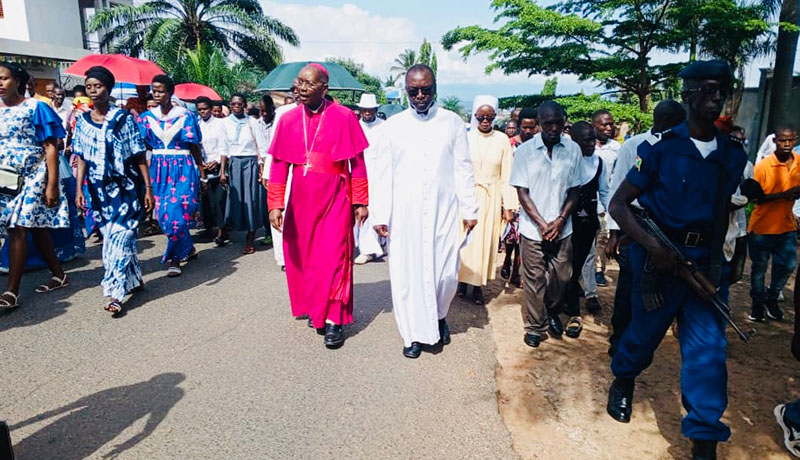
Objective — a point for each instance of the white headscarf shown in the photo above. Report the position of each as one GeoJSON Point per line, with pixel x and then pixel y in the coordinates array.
{"type": "Point", "coordinates": [479, 102]}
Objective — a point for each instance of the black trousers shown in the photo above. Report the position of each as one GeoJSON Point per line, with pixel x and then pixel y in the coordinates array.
{"type": "Point", "coordinates": [213, 205]}
{"type": "Point", "coordinates": [621, 316]}
{"type": "Point", "coordinates": [583, 235]}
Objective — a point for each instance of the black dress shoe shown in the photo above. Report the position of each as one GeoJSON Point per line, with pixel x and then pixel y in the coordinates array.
{"type": "Point", "coordinates": [320, 331]}
{"type": "Point", "coordinates": [462, 289]}
{"type": "Point", "coordinates": [533, 340]}
{"type": "Point", "coordinates": [555, 326]}
{"type": "Point", "coordinates": [505, 272]}
{"type": "Point", "coordinates": [413, 351]}
{"type": "Point", "coordinates": [620, 400]}
{"type": "Point", "coordinates": [704, 450]}
{"type": "Point", "coordinates": [477, 296]}
{"type": "Point", "coordinates": [444, 332]}
{"type": "Point", "coordinates": [334, 336]}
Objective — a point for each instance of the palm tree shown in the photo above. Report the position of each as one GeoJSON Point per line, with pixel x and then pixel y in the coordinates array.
{"type": "Point", "coordinates": [453, 104]}
{"type": "Point", "coordinates": [237, 27]}
{"type": "Point", "coordinates": [208, 66]}
{"type": "Point", "coordinates": [390, 81]}
{"type": "Point", "coordinates": [402, 63]}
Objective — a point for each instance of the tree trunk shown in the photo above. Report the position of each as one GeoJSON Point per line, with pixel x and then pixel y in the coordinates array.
{"type": "Point", "coordinates": [779, 102]}
{"type": "Point", "coordinates": [735, 101]}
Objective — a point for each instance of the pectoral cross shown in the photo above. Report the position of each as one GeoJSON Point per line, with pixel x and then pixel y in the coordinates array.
{"type": "Point", "coordinates": [305, 168]}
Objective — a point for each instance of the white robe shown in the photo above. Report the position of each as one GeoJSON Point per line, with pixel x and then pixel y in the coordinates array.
{"type": "Point", "coordinates": [277, 237]}
{"type": "Point", "coordinates": [424, 187]}
{"type": "Point", "coordinates": [367, 240]}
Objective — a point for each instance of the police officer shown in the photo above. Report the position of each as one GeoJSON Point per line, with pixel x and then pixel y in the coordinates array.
{"type": "Point", "coordinates": [684, 182]}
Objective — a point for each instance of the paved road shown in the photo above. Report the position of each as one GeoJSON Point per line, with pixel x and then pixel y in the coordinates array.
{"type": "Point", "coordinates": [212, 366]}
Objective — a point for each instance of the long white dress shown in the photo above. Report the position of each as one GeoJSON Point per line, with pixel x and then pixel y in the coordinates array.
{"type": "Point", "coordinates": [367, 240]}
{"type": "Point", "coordinates": [424, 188]}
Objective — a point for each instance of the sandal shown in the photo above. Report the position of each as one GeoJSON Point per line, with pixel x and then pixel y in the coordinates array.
{"type": "Point", "coordinates": [174, 272]}
{"type": "Point", "coordinates": [60, 283]}
{"type": "Point", "coordinates": [4, 300]}
{"type": "Point", "coordinates": [249, 250]}
{"type": "Point", "coordinates": [113, 307]}
{"type": "Point", "coordinates": [574, 327]}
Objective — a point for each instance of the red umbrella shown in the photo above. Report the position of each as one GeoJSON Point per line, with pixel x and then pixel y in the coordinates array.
{"type": "Point", "coordinates": [124, 68]}
{"type": "Point", "coordinates": [191, 91]}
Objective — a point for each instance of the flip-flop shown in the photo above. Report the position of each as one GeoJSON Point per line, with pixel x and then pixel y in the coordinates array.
{"type": "Point", "coordinates": [6, 304]}
{"type": "Point", "coordinates": [174, 272]}
{"type": "Point", "coordinates": [574, 328]}
{"type": "Point", "coordinates": [113, 307]}
{"type": "Point", "coordinates": [45, 288]}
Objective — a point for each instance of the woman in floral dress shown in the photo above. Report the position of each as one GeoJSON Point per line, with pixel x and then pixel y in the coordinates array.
{"type": "Point", "coordinates": [174, 136]}
{"type": "Point", "coordinates": [29, 133]}
{"type": "Point", "coordinates": [112, 159]}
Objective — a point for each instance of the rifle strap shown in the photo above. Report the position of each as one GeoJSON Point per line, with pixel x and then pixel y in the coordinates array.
{"type": "Point", "coordinates": [721, 220]}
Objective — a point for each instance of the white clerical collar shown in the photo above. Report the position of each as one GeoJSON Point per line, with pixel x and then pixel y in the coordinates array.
{"type": "Point", "coordinates": [425, 115]}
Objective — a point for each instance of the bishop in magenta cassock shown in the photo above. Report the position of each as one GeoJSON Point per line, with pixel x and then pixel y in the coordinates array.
{"type": "Point", "coordinates": [323, 144]}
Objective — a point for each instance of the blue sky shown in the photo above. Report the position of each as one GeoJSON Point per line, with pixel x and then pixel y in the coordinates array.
{"type": "Point", "coordinates": [375, 32]}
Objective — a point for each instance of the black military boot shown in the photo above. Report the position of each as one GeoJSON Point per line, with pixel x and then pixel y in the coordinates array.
{"type": "Point", "coordinates": [704, 450]}
{"type": "Point", "coordinates": [620, 400]}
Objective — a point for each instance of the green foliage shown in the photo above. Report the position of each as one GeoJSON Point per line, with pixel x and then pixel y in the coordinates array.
{"type": "Point", "coordinates": [612, 41]}
{"type": "Point", "coordinates": [453, 104]}
{"type": "Point", "coordinates": [550, 87]}
{"type": "Point", "coordinates": [371, 83]}
{"type": "Point", "coordinates": [409, 57]}
{"type": "Point", "coordinates": [208, 66]}
{"type": "Point", "coordinates": [582, 106]}
{"type": "Point", "coordinates": [238, 28]}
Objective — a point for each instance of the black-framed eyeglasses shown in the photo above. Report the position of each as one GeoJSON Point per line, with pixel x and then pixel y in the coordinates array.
{"type": "Point", "coordinates": [413, 92]}
{"type": "Point", "coordinates": [485, 117]}
{"type": "Point", "coordinates": [711, 90]}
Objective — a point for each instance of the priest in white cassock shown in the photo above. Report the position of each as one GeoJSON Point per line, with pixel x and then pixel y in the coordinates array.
{"type": "Point", "coordinates": [424, 195]}
{"type": "Point", "coordinates": [367, 240]}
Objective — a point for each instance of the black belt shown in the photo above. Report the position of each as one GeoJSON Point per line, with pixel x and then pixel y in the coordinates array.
{"type": "Point", "coordinates": [688, 238]}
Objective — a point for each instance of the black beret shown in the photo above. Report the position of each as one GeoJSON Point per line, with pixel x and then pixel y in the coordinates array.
{"type": "Point", "coordinates": [715, 69]}
{"type": "Point", "coordinates": [103, 75]}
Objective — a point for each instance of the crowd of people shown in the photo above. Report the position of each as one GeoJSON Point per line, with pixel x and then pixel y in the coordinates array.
{"type": "Point", "coordinates": [438, 196]}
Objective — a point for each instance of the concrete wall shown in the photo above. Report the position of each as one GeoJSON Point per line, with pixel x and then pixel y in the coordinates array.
{"type": "Point", "coordinates": [14, 24]}
{"type": "Point", "coordinates": [754, 111]}
{"type": "Point", "coordinates": [55, 22]}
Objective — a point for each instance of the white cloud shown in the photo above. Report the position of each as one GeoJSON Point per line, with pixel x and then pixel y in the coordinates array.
{"type": "Point", "coordinates": [352, 32]}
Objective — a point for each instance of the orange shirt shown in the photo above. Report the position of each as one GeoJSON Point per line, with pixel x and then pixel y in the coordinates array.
{"type": "Point", "coordinates": [775, 217]}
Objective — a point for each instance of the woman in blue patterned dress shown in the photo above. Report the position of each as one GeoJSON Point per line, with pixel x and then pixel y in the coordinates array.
{"type": "Point", "coordinates": [29, 133]}
{"type": "Point", "coordinates": [112, 159]}
{"type": "Point", "coordinates": [174, 137]}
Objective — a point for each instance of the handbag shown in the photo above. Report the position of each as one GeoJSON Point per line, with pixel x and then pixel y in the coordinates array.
{"type": "Point", "coordinates": [10, 181]}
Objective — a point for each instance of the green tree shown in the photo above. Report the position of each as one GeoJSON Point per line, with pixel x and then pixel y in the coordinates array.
{"type": "Point", "coordinates": [208, 66]}
{"type": "Point", "coordinates": [732, 30]}
{"type": "Point", "coordinates": [550, 87]}
{"type": "Point", "coordinates": [237, 27]}
{"type": "Point", "coordinates": [582, 106]}
{"type": "Point", "coordinates": [371, 83]}
{"type": "Point", "coordinates": [403, 62]}
{"type": "Point", "coordinates": [609, 41]}
{"type": "Point", "coordinates": [389, 82]}
{"type": "Point", "coordinates": [453, 104]}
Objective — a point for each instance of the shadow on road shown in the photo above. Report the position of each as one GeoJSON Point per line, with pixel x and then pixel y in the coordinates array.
{"type": "Point", "coordinates": [95, 420]}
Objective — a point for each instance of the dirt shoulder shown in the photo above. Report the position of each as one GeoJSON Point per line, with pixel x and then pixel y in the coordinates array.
{"type": "Point", "coordinates": [553, 398]}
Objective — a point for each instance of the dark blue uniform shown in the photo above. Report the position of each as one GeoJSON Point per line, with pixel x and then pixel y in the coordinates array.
{"type": "Point", "coordinates": [679, 190]}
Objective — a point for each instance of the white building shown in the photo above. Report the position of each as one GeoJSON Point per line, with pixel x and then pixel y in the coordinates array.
{"type": "Point", "coordinates": [45, 35]}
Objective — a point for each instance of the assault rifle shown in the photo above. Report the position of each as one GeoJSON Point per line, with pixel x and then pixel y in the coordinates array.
{"type": "Point", "coordinates": [707, 288]}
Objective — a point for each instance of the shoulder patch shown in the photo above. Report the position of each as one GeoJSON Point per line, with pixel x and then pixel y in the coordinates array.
{"type": "Point", "coordinates": [638, 163]}
{"type": "Point", "coordinates": [653, 138]}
